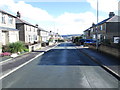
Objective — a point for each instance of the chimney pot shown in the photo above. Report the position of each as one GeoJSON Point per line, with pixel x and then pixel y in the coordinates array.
{"type": "Point", "coordinates": [111, 14]}
{"type": "Point", "coordinates": [18, 14]}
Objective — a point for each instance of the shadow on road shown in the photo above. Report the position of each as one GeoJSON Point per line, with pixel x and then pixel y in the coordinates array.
{"type": "Point", "coordinates": [65, 57]}
{"type": "Point", "coordinates": [67, 54]}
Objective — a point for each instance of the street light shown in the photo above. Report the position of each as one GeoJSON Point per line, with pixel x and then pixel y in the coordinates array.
{"type": "Point", "coordinates": [97, 27]}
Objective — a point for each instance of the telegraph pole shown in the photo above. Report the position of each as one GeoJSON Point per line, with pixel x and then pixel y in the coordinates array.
{"type": "Point", "coordinates": [97, 26]}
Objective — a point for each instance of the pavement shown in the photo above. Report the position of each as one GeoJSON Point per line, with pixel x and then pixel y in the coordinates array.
{"type": "Point", "coordinates": [108, 62]}
{"type": "Point", "coordinates": [11, 63]}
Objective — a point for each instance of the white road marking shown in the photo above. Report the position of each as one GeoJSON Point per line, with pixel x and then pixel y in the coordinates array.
{"type": "Point", "coordinates": [24, 63]}
{"type": "Point", "coordinates": [20, 66]}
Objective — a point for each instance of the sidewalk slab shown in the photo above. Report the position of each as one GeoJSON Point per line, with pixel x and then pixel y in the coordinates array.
{"type": "Point", "coordinates": [107, 61]}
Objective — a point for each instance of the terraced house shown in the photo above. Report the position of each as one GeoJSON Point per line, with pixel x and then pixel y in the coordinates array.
{"type": "Point", "coordinates": [8, 31]}
{"type": "Point", "coordinates": [43, 35]}
{"type": "Point", "coordinates": [107, 29]}
{"type": "Point", "coordinates": [28, 34]}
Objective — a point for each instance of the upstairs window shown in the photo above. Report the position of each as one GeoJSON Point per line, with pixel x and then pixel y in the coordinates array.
{"type": "Point", "coordinates": [91, 29]}
{"type": "Point", "coordinates": [101, 27]}
{"type": "Point", "coordinates": [10, 20]}
{"type": "Point", "coordinates": [3, 18]}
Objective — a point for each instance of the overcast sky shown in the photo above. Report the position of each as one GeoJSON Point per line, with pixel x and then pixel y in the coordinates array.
{"type": "Point", "coordinates": [62, 16]}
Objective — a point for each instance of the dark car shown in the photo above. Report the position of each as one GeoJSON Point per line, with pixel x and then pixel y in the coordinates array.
{"type": "Point", "coordinates": [86, 41]}
{"type": "Point", "coordinates": [89, 41]}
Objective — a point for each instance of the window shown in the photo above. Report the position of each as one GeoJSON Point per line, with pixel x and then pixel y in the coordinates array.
{"type": "Point", "coordinates": [101, 27]}
{"type": "Point", "coordinates": [3, 18]}
{"type": "Point", "coordinates": [94, 36]}
{"type": "Point", "coordinates": [35, 37]}
{"type": "Point", "coordinates": [26, 27]}
{"type": "Point", "coordinates": [34, 29]}
{"type": "Point", "coordinates": [91, 29]}
{"type": "Point", "coordinates": [30, 28]}
{"type": "Point", "coordinates": [116, 39]}
{"type": "Point", "coordinates": [10, 20]}
{"type": "Point", "coordinates": [29, 38]}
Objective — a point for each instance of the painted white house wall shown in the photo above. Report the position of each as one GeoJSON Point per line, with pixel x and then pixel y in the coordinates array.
{"type": "Point", "coordinates": [8, 31]}
{"type": "Point", "coordinates": [13, 36]}
{"type": "Point", "coordinates": [7, 21]}
{"type": "Point", "coordinates": [30, 34]}
{"type": "Point", "coordinates": [44, 35]}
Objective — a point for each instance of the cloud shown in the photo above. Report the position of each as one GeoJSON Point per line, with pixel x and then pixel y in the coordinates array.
{"type": "Point", "coordinates": [67, 23]}
{"type": "Point", "coordinates": [52, 0]}
{"type": "Point", "coordinates": [104, 5]}
{"type": "Point", "coordinates": [26, 10]}
{"type": "Point", "coordinates": [75, 23]}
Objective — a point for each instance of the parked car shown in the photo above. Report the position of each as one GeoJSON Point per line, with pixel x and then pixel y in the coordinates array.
{"type": "Point", "coordinates": [89, 41]}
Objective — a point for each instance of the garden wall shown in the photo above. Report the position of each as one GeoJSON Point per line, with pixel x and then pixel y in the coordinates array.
{"type": "Point", "coordinates": [112, 51]}
{"type": "Point", "coordinates": [34, 47]}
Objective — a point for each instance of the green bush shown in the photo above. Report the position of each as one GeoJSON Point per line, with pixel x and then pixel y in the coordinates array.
{"type": "Point", "coordinates": [16, 47]}
{"type": "Point", "coordinates": [26, 50]}
{"type": "Point", "coordinates": [5, 48]}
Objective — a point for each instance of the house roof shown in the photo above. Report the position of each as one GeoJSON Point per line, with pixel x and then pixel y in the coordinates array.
{"type": "Point", "coordinates": [87, 29]}
{"type": "Point", "coordinates": [114, 19]}
{"type": "Point", "coordinates": [24, 22]}
{"type": "Point", "coordinates": [105, 20]}
{"type": "Point", "coordinates": [9, 29]}
{"type": "Point", "coordinates": [7, 13]}
{"type": "Point", "coordinates": [41, 29]}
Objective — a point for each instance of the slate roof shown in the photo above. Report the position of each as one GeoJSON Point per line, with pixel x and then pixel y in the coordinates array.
{"type": "Point", "coordinates": [102, 22]}
{"type": "Point", "coordinates": [7, 13]}
{"type": "Point", "coordinates": [114, 19]}
{"type": "Point", "coordinates": [25, 22]}
{"type": "Point", "coordinates": [41, 29]}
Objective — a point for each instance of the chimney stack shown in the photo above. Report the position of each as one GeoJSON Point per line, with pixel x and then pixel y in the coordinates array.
{"type": "Point", "coordinates": [93, 24]}
{"type": "Point", "coordinates": [37, 25]}
{"type": "Point", "coordinates": [111, 14]}
{"type": "Point", "coordinates": [18, 14]}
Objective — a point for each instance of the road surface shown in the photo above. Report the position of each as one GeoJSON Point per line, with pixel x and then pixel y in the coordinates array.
{"type": "Point", "coordinates": [61, 67]}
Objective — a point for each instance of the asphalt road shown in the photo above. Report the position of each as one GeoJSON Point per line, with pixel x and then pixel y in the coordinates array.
{"type": "Point", "coordinates": [61, 67]}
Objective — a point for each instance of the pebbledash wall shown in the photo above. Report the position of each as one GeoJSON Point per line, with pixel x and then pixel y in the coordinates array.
{"type": "Point", "coordinates": [112, 51]}
{"type": "Point", "coordinates": [8, 31]}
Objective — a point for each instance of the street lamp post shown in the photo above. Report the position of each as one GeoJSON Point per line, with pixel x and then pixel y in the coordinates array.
{"type": "Point", "coordinates": [97, 27]}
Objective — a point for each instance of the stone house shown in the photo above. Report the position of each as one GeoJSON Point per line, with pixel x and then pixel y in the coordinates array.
{"type": "Point", "coordinates": [28, 32]}
{"type": "Point", "coordinates": [47, 37]}
{"type": "Point", "coordinates": [8, 31]}
{"type": "Point", "coordinates": [106, 29]}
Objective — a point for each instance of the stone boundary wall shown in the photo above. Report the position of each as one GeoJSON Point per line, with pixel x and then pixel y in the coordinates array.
{"type": "Point", "coordinates": [112, 51]}
{"type": "Point", "coordinates": [34, 47]}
